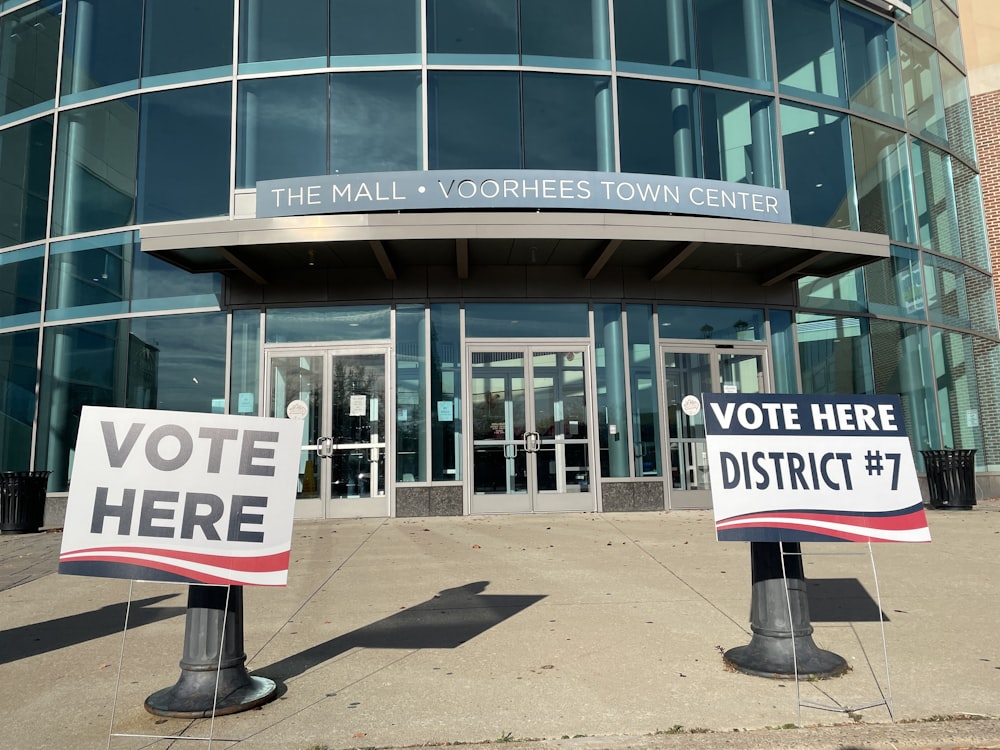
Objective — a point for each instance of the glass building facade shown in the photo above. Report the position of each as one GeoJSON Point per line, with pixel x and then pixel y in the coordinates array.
{"type": "Point", "coordinates": [491, 360]}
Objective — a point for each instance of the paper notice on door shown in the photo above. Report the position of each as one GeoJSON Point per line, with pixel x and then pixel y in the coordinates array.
{"type": "Point", "coordinates": [446, 411]}
{"type": "Point", "coordinates": [359, 405]}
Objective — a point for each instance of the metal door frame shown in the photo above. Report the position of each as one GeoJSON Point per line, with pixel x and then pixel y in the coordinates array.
{"type": "Point", "coordinates": [699, 499]}
{"type": "Point", "coordinates": [324, 506]}
{"type": "Point", "coordinates": [534, 501]}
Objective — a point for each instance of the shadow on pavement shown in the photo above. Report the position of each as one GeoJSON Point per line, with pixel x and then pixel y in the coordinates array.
{"type": "Point", "coordinates": [451, 618]}
{"type": "Point", "coordinates": [841, 600]}
{"type": "Point", "coordinates": [52, 635]}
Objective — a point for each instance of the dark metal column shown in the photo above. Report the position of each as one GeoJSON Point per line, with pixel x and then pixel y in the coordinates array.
{"type": "Point", "coordinates": [196, 694]}
{"type": "Point", "coordinates": [770, 652]}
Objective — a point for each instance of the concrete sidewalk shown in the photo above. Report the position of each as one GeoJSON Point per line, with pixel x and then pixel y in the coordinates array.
{"type": "Point", "coordinates": [572, 631]}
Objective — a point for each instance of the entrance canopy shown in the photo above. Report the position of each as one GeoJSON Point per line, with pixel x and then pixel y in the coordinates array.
{"type": "Point", "coordinates": [265, 248]}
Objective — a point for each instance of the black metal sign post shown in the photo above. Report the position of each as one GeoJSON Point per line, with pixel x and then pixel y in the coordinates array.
{"type": "Point", "coordinates": [782, 645]}
{"type": "Point", "coordinates": [214, 680]}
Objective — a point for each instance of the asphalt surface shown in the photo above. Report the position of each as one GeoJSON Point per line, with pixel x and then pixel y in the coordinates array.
{"type": "Point", "coordinates": [573, 631]}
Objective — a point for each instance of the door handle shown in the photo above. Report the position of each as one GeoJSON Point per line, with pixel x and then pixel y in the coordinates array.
{"type": "Point", "coordinates": [324, 447]}
{"type": "Point", "coordinates": [532, 442]}
{"type": "Point", "coordinates": [510, 450]}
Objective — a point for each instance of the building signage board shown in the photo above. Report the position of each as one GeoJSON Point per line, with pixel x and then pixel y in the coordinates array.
{"type": "Point", "coordinates": [453, 190]}
{"type": "Point", "coordinates": [183, 497]}
{"type": "Point", "coordinates": [792, 468]}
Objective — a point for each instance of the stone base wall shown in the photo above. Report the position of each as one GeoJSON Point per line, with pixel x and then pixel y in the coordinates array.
{"type": "Point", "coordinates": [632, 496]}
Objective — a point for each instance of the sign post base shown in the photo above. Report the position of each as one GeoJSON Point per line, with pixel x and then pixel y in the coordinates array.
{"type": "Point", "coordinates": [781, 647]}
{"type": "Point", "coordinates": [214, 680]}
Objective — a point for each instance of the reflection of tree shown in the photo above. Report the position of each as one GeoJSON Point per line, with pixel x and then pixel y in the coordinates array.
{"type": "Point", "coordinates": [352, 380]}
{"type": "Point", "coordinates": [487, 412]}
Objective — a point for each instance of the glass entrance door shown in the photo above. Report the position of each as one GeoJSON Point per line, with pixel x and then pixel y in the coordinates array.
{"type": "Point", "coordinates": [340, 394]}
{"type": "Point", "coordinates": [691, 371]}
{"type": "Point", "coordinates": [531, 446]}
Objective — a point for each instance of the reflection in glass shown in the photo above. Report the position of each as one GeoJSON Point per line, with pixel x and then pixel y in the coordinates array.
{"type": "Point", "coordinates": [296, 378]}
{"type": "Point", "coordinates": [844, 292]}
{"type": "Point", "coordinates": [937, 216]}
{"type": "Point", "coordinates": [969, 204]}
{"type": "Point", "coordinates": [526, 320]}
{"type": "Point", "coordinates": [687, 374]}
{"type": "Point", "coordinates": [158, 285]}
{"type": "Point", "coordinates": [734, 41]}
{"type": "Point", "coordinates": [277, 30]}
{"type": "Point", "coordinates": [834, 354]}
{"type": "Point", "coordinates": [411, 389]}
{"type": "Point", "coordinates": [102, 46]}
{"type": "Point", "coordinates": [21, 286]}
{"type": "Point", "coordinates": [244, 381]}
{"type": "Point", "coordinates": [95, 181]}
{"type": "Point", "coordinates": [25, 164]}
{"type": "Point", "coordinates": [567, 122]}
{"type": "Point", "coordinates": [173, 43]}
{"type": "Point", "coordinates": [957, 112]}
{"type": "Point", "coordinates": [957, 390]}
{"type": "Point", "coordinates": [375, 122]}
{"type": "Point", "coordinates": [29, 54]}
{"type": "Point", "coordinates": [922, 87]}
{"type": "Point", "coordinates": [560, 421]}
{"type": "Point", "coordinates": [281, 129]}
{"type": "Point", "coordinates": [474, 120]}
{"type": "Point", "coordinates": [18, 372]}
{"type": "Point", "coordinates": [895, 286]}
{"type": "Point", "coordinates": [816, 145]}
{"type": "Point", "coordinates": [357, 323]}
{"type": "Point", "coordinates": [642, 388]}
{"type": "Point", "coordinates": [374, 27]}
{"type": "Point", "coordinates": [655, 38]}
{"type": "Point", "coordinates": [612, 407]}
{"type": "Point", "coordinates": [658, 128]}
{"type": "Point", "coordinates": [486, 29]}
{"type": "Point", "coordinates": [808, 49]}
{"type": "Point", "coordinates": [882, 180]}
{"type": "Point", "coordinates": [446, 393]}
{"type": "Point", "coordinates": [739, 137]}
{"type": "Point", "coordinates": [89, 277]}
{"type": "Point", "coordinates": [184, 154]}
{"type": "Point", "coordinates": [357, 404]}
{"type": "Point", "coordinates": [717, 323]}
{"type": "Point", "coordinates": [958, 295]}
{"type": "Point", "coordinates": [564, 33]}
{"type": "Point", "coordinates": [499, 465]}
{"type": "Point", "coordinates": [870, 52]}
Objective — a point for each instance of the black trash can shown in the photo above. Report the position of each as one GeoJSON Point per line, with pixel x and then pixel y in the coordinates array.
{"type": "Point", "coordinates": [951, 478]}
{"type": "Point", "coordinates": [22, 501]}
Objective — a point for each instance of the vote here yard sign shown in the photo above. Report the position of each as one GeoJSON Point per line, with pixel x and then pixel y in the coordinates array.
{"type": "Point", "coordinates": [792, 468]}
{"type": "Point", "coordinates": [183, 497]}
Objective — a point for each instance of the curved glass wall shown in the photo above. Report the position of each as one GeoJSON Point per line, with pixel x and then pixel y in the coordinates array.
{"type": "Point", "coordinates": [158, 110]}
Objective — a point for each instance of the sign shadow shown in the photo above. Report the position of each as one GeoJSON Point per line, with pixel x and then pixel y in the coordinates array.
{"type": "Point", "coordinates": [52, 635]}
{"type": "Point", "coordinates": [842, 600]}
{"type": "Point", "coordinates": [448, 620]}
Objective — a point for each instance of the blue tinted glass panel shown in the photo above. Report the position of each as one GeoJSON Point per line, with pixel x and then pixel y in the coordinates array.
{"type": "Point", "coordinates": [158, 285]}
{"type": "Point", "coordinates": [612, 406]}
{"type": "Point", "coordinates": [18, 372]}
{"type": "Point", "coordinates": [177, 362]}
{"type": "Point", "coordinates": [872, 66]}
{"type": "Point", "coordinates": [739, 137]}
{"type": "Point", "coordinates": [21, 286]}
{"type": "Point", "coordinates": [245, 379]}
{"type": "Point", "coordinates": [643, 381]}
{"type": "Point", "coordinates": [374, 27]}
{"type": "Point", "coordinates": [186, 35]}
{"type": "Point", "coordinates": [82, 365]}
{"type": "Point", "coordinates": [807, 46]}
{"type": "Point", "coordinates": [972, 227]}
{"type": "Point", "coordinates": [957, 390]}
{"type": "Point", "coordinates": [959, 296]}
{"type": "Point", "coordinates": [948, 31]}
{"type": "Point", "coordinates": [96, 167]}
{"type": "Point", "coordinates": [411, 389]}
{"type": "Point", "coordinates": [567, 122]}
{"type": "Point", "coordinates": [565, 33]}
{"type": "Point", "coordinates": [834, 354]}
{"type": "Point", "coordinates": [375, 122]}
{"type": "Point", "coordinates": [935, 196]}
{"type": "Point", "coordinates": [102, 47]}
{"type": "Point", "coordinates": [486, 29]}
{"type": "Point", "coordinates": [714, 323]}
{"type": "Point", "coordinates": [446, 393]}
{"type": "Point", "coordinates": [922, 87]}
{"type": "Point", "coordinates": [957, 112]}
{"type": "Point", "coordinates": [29, 49]}
{"type": "Point", "coordinates": [25, 164]}
{"type": "Point", "coordinates": [882, 181]}
{"type": "Point", "coordinates": [783, 348]}
{"type": "Point", "coordinates": [184, 154]}
{"type": "Point", "coordinates": [734, 41]}
{"type": "Point", "coordinates": [272, 30]}
{"type": "Point", "coordinates": [895, 286]}
{"type": "Point", "coordinates": [658, 128]}
{"type": "Point", "coordinates": [844, 292]}
{"type": "Point", "coordinates": [818, 174]}
{"type": "Point", "coordinates": [526, 320]}
{"type": "Point", "coordinates": [655, 38]}
{"type": "Point", "coordinates": [902, 365]}
{"type": "Point", "coordinates": [89, 277]}
{"type": "Point", "coordinates": [327, 324]}
{"type": "Point", "coordinates": [281, 129]}
{"type": "Point", "coordinates": [474, 120]}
